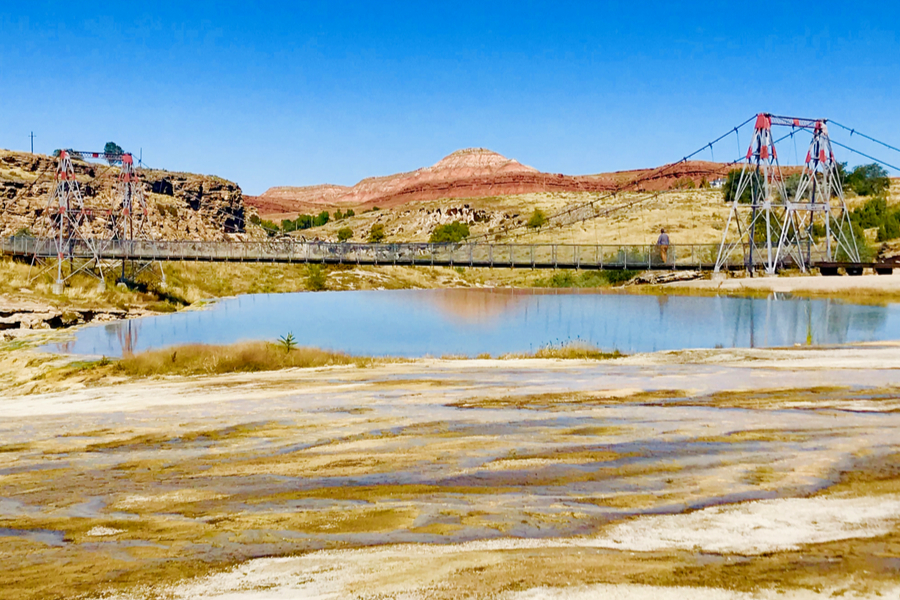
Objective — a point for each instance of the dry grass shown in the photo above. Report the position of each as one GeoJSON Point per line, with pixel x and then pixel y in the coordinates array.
{"type": "Point", "coordinates": [21, 281]}
{"type": "Point", "coordinates": [570, 351]}
{"type": "Point", "coordinates": [201, 359]}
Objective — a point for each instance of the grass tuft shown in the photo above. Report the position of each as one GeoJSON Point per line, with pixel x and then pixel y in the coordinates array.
{"type": "Point", "coordinates": [570, 351]}
{"type": "Point", "coordinates": [203, 359]}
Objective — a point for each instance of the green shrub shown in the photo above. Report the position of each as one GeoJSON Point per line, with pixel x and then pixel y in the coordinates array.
{"type": "Point", "coordinates": [376, 234]}
{"type": "Point", "coordinates": [321, 219]}
{"type": "Point", "coordinates": [868, 180]}
{"type": "Point", "coordinates": [316, 279]}
{"type": "Point", "coordinates": [453, 233]}
{"type": "Point", "coordinates": [871, 214]}
{"type": "Point", "coordinates": [344, 234]}
{"type": "Point", "coordinates": [537, 220]}
{"type": "Point", "coordinates": [350, 213]}
{"type": "Point", "coordinates": [865, 251]}
{"type": "Point", "coordinates": [619, 277]}
{"type": "Point", "coordinates": [729, 189]}
{"type": "Point", "coordinates": [270, 227]}
{"type": "Point", "coordinates": [791, 185]}
{"type": "Point", "coordinates": [890, 229]}
{"type": "Point", "coordinates": [588, 279]}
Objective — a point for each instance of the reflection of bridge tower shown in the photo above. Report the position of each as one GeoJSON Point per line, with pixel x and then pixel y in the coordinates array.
{"type": "Point", "coordinates": [759, 216]}
{"type": "Point", "coordinates": [820, 198]}
{"type": "Point", "coordinates": [128, 333]}
{"type": "Point", "coordinates": [64, 221]}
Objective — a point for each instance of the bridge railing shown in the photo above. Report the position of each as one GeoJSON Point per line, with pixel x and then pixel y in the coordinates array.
{"type": "Point", "coordinates": [568, 256]}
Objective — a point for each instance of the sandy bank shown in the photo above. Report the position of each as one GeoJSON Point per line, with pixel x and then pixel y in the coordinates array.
{"type": "Point", "coordinates": [875, 284]}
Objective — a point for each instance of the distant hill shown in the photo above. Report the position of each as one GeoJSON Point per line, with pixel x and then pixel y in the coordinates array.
{"type": "Point", "coordinates": [469, 173]}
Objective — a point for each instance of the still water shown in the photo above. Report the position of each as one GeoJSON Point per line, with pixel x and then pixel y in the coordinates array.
{"type": "Point", "coordinates": [470, 322]}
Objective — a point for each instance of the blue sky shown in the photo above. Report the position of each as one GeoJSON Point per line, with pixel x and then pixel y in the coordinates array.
{"type": "Point", "coordinates": [298, 93]}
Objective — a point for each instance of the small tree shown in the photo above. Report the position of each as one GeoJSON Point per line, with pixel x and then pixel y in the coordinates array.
{"type": "Point", "coordinates": [338, 215]}
{"type": "Point", "coordinates": [304, 221]}
{"type": "Point", "coordinates": [376, 234]}
{"type": "Point", "coordinates": [350, 213]}
{"type": "Point", "coordinates": [288, 342]}
{"type": "Point", "coordinates": [453, 233]}
{"type": "Point", "coordinates": [321, 219]}
{"type": "Point", "coordinates": [729, 190]}
{"type": "Point", "coordinates": [537, 220]}
{"type": "Point", "coordinates": [112, 149]}
{"type": "Point", "coordinates": [344, 234]}
{"type": "Point", "coordinates": [869, 180]}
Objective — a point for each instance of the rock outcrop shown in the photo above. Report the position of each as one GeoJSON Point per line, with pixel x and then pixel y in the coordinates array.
{"type": "Point", "coordinates": [180, 205]}
{"type": "Point", "coordinates": [25, 315]}
{"type": "Point", "coordinates": [477, 172]}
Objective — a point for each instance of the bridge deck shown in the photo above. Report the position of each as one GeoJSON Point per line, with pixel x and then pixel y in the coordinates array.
{"type": "Point", "coordinates": [482, 255]}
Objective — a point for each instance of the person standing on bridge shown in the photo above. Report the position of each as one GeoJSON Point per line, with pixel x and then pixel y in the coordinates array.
{"type": "Point", "coordinates": [663, 243]}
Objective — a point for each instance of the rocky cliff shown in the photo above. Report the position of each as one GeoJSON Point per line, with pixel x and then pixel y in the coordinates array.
{"type": "Point", "coordinates": [180, 205]}
{"type": "Point", "coordinates": [476, 172]}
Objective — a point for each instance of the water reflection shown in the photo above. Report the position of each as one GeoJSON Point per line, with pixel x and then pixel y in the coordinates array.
{"type": "Point", "coordinates": [471, 322]}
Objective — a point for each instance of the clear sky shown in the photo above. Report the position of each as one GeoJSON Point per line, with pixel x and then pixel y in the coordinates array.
{"type": "Point", "coordinates": [299, 93]}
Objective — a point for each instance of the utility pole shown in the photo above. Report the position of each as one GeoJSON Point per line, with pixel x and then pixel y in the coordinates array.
{"type": "Point", "coordinates": [32, 142]}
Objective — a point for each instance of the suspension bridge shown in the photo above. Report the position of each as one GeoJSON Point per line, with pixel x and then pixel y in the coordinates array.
{"type": "Point", "coordinates": [769, 228]}
{"type": "Point", "coordinates": [702, 257]}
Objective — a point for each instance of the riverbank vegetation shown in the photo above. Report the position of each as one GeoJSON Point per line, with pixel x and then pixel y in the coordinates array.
{"type": "Point", "coordinates": [204, 359]}
{"type": "Point", "coordinates": [587, 279]}
{"type": "Point", "coordinates": [253, 357]}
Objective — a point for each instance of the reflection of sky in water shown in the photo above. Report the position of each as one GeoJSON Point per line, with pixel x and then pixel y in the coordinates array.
{"type": "Point", "coordinates": [420, 322]}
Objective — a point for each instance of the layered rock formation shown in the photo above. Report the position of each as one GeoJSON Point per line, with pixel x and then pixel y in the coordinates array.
{"type": "Point", "coordinates": [180, 205]}
{"type": "Point", "coordinates": [476, 172]}
{"type": "Point", "coordinates": [286, 199]}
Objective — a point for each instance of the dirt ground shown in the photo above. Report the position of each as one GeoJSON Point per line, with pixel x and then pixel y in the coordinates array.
{"type": "Point", "coordinates": [714, 474]}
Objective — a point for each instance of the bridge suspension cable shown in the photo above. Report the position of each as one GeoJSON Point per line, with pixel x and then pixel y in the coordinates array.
{"type": "Point", "coordinates": [859, 133]}
{"type": "Point", "coordinates": [652, 174]}
{"type": "Point", "coordinates": [880, 162]}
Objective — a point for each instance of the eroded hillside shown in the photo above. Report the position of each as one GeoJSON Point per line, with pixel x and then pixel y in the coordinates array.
{"type": "Point", "coordinates": [473, 173]}
{"type": "Point", "coordinates": [180, 205]}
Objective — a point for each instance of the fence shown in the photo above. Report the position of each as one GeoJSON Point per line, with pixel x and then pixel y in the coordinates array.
{"type": "Point", "coordinates": [518, 256]}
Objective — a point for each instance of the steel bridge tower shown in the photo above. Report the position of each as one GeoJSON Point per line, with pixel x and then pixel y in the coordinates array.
{"type": "Point", "coordinates": [775, 228]}
{"type": "Point", "coordinates": [63, 224]}
{"type": "Point", "coordinates": [66, 217]}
